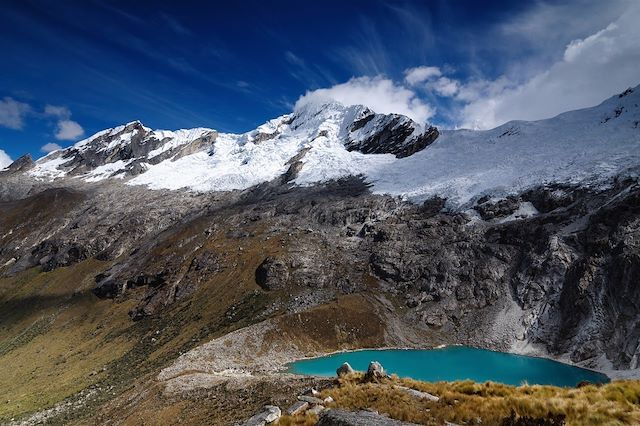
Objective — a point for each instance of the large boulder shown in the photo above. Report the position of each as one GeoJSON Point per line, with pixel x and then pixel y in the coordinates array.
{"type": "Point", "coordinates": [272, 274]}
{"type": "Point", "coordinates": [375, 371]}
{"type": "Point", "coordinates": [344, 369]}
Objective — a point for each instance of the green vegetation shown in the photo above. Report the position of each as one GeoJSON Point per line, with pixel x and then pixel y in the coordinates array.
{"type": "Point", "coordinates": [59, 342]}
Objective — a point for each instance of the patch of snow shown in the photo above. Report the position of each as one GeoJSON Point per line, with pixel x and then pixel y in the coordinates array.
{"type": "Point", "coordinates": [525, 210]}
{"type": "Point", "coordinates": [175, 138]}
{"type": "Point", "coordinates": [47, 168]}
{"type": "Point", "coordinates": [233, 165]}
{"type": "Point", "coordinates": [106, 171]}
{"type": "Point", "coordinates": [122, 139]}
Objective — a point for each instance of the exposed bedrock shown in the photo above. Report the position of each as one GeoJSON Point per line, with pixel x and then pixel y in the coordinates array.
{"type": "Point", "coordinates": [563, 276]}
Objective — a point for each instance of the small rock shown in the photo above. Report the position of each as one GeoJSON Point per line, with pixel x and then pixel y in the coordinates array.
{"type": "Point", "coordinates": [419, 394]}
{"type": "Point", "coordinates": [375, 371]}
{"type": "Point", "coordinates": [328, 400]}
{"type": "Point", "coordinates": [297, 408]}
{"type": "Point", "coordinates": [344, 369]}
{"type": "Point", "coordinates": [310, 399]}
{"type": "Point", "coordinates": [269, 414]}
{"type": "Point", "coordinates": [312, 392]}
{"type": "Point", "coordinates": [316, 410]}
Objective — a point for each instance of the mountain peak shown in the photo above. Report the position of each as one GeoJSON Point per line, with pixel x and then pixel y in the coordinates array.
{"type": "Point", "coordinates": [318, 142]}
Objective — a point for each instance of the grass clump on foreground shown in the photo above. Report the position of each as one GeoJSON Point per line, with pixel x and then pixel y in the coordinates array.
{"type": "Point", "coordinates": [470, 403]}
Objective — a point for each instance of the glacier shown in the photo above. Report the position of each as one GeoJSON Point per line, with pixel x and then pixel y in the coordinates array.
{"type": "Point", "coordinates": [331, 141]}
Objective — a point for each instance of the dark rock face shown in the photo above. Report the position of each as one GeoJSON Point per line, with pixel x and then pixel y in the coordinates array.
{"type": "Point", "coordinates": [295, 165]}
{"type": "Point", "coordinates": [394, 137]}
{"type": "Point", "coordinates": [564, 279]}
{"type": "Point", "coordinates": [140, 142]}
{"type": "Point", "coordinates": [490, 210]}
{"type": "Point", "coordinates": [22, 164]}
{"type": "Point", "coordinates": [272, 274]}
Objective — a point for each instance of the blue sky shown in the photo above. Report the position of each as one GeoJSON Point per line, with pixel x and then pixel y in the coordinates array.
{"type": "Point", "coordinates": [71, 68]}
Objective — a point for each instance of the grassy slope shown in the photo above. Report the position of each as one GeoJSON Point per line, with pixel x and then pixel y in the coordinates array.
{"type": "Point", "coordinates": [616, 403]}
{"type": "Point", "coordinates": [56, 337]}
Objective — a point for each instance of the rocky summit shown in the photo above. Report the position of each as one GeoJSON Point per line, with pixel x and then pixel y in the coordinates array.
{"type": "Point", "coordinates": [144, 271]}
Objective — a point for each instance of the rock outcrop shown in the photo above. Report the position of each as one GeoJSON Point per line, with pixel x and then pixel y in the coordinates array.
{"type": "Point", "coordinates": [272, 274]}
{"type": "Point", "coordinates": [396, 134]}
{"type": "Point", "coordinates": [22, 164]}
{"type": "Point", "coordinates": [268, 415]}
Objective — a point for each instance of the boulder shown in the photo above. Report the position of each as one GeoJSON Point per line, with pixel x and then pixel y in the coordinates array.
{"type": "Point", "coordinates": [269, 414]}
{"type": "Point", "coordinates": [272, 274]}
{"type": "Point", "coordinates": [418, 394]}
{"type": "Point", "coordinates": [312, 392]}
{"type": "Point", "coordinates": [344, 369]}
{"type": "Point", "coordinates": [310, 399]}
{"type": "Point", "coordinates": [297, 408]}
{"type": "Point", "coordinates": [375, 371]}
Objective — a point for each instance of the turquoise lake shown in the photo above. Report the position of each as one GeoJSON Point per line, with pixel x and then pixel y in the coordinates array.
{"type": "Point", "coordinates": [454, 363]}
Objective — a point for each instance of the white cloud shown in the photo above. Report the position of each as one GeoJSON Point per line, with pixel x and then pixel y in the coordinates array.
{"type": "Point", "coordinates": [50, 147]}
{"type": "Point", "coordinates": [444, 86]}
{"type": "Point", "coordinates": [413, 76]}
{"type": "Point", "coordinates": [57, 111]}
{"type": "Point", "coordinates": [5, 160]}
{"type": "Point", "coordinates": [591, 69]}
{"type": "Point", "coordinates": [68, 130]}
{"type": "Point", "coordinates": [12, 113]}
{"type": "Point", "coordinates": [378, 93]}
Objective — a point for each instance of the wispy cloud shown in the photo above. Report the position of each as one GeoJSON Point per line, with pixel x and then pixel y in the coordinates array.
{"type": "Point", "coordinates": [369, 50]}
{"type": "Point", "coordinates": [12, 113]}
{"type": "Point", "coordinates": [367, 54]}
{"type": "Point", "coordinates": [68, 130]}
{"type": "Point", "coordinates": [417, 75]}
{"type": "Point", "coordinates": [310, 75]}
{"type": "Point", "coordinates": [175, 25]}
{"type": "Point", "coordinates": [57, 111]}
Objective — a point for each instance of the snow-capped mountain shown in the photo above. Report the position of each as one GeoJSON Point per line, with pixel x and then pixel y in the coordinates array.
{"type": "Point", "coordinates": [537, 252]}
{"type": "Point", "coordinates": [320, 142]}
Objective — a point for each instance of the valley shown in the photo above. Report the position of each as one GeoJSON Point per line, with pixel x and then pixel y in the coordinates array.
{"type": "Point", "coordinates": [124, 297]}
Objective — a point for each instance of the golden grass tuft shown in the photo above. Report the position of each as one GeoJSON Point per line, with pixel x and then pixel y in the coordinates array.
{"type": "Point", "coordinates": [466, 402]}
